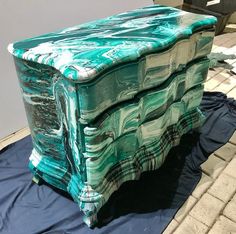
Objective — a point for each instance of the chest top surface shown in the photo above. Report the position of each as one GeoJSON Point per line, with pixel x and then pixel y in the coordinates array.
{"type": "Point", "coordinates": [81, 53]}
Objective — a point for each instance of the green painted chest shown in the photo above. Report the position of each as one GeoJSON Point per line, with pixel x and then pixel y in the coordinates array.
{"type": "Point", "coordinates": [107, 100]}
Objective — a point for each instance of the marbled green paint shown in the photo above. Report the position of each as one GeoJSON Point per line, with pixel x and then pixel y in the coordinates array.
{"type": "Point", "coordinates": [97, 53]}
{"type": "Point", "coordinates": [149, 157]}
{"type": "Point", "coordinates": [58, 136]}
{"type": "Point", "coordinates": [147, 105]}
{"type": "Point", "coordinates": [112, 96]}
{"type": "Point", "coordinates": [98, 164]}
{"type": "Point", "coordinates": [147, 72]}
{"type": "Point", "coordinates": [131, 78]}
{"type": "Point", "coordinates": [90, 53]}
{"type": "Point", "coordinates": [82, 52]}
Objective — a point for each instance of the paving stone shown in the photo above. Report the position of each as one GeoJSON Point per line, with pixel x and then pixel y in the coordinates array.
{"type": "Point", "coordinates": [202, 186]}
{"type": "Point", "coordinates": [229, 44]}
{"type": "Point", "coordinates": [183, 211]}
{"type": "Point", "coordinates": [231, 168]}
{"type": "Point", "coordinates": [171, 227]}
{"type": "Point", "coordinates": [227, 152]}
{"type": "Point", "coordinates": [227, 85]}
{"type": "Point", "coordinates": [233, 138]}
{"type": "Point", "coordinates": [223, 226]}
{"type": "Point", "coordinates": [222, 39]}
{"type": "Point", "coordinates": [191, 226]}
{"type": "Point", "coordinates": [212, 73]}
{"type": "Point", "coordinates": [223, 188]}
{"type": "Point", "coordinates": [219, 48]}
{"type": "Point", "coordinates": [234, 198]}
{"type": "Point", "coordinates": [207, 88]}
{"type": "Point", "coordinates": [207, 209]}
{"type": "Point", "coordinates": [230, 210]}
{"type": "Point", "coordinates": [224, 43]}
{"type": "Point", "coordinates": [216, 80]}
{"type": "Point", "coordinates": [232, 94]}
{"type": "Point", "coordinates": [213, 166]}
{"type": "Point", "coordinates": [14, 137]}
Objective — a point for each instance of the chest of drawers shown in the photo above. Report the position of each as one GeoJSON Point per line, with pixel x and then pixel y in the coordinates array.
{"type": "Point", "coordinates": [107, 100]}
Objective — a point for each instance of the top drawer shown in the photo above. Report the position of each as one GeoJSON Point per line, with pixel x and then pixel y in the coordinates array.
{"type": "Point", "coordinates": [111, 60]}
{"type": "Point", "coordinates": [83, 52]}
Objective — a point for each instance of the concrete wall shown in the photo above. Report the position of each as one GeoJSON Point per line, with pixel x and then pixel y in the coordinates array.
{"type": "Point", "coordinates": [27, 18]}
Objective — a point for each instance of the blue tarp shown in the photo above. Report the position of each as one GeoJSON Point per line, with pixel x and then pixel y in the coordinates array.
{"type": "Point", "coordinates": [144, 206]}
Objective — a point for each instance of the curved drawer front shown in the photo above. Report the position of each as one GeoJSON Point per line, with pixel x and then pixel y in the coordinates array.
{"type": "Point", "coordinates": [118, 85]}
{"type": "Point", "coordinates": [128, 116]}
{"type": "Point", "coordinates": [147, 158]}
{"type": "Point", "coordinates": [111, 60]}
{"type": "Point", "coordinates": [99, 162]}
{"type": "Point", "coordinates": [107, 100]}
{"type": "Point", "coordinates": [126, 81]}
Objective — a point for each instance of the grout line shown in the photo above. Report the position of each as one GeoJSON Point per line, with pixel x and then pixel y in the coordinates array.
{"type": "Point", "coordinates": [198, 199]}
{"type": "Point", "coordinates": [217, 156]}
{"type": "Point", "coordinates": [227, 163]}
{"type": "Point", "coordinates": [209, 227]}
{"type": "Point", "coordinates": [228, 218]}
{"type": "Point", "coordinates": [221, 212]}
{"type": "Point", "coordinates": [231, 89]}
{"type": "Point", "coordinates": [225, 203]}
{"type": "Point", "coordinates": [215, 74]}
{"type": "Point", "coordinates": [232, 142]}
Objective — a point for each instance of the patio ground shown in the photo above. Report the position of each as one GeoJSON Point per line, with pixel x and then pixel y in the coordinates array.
{"type": "Point", "coordinates": [212, 206]}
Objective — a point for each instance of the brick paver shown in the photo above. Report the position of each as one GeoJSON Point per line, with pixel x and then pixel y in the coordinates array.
{"type": "Point", "coordinates": [216, 81]}
{"type": "Point", "coordinates": [227, 85]}
{"type": "Point", "coordinates": [233, 138]}
{"type": "Point", "coordinates": [202, 186]}
{"type": "Point", "coordinates": [14, 137]}
{"type": "Point", "coordinates": [171, 227]}
{"type": "Point", "coordinates": [191, 225]}
{"type": "Point", "coordinates": [213, 166]}
{"type": "Point", "coordinates": [212, 206]}
{"type": "Point", "coordinates": [231, 168]}
{"type": "Point", "coordinates": [230, 210]}
{"type": "Point", "coordinates": [223, 226]}
{"type": "Point", "coordinates": [183, 211]}
{"type": "Point", "coordinates": [223, 188]}
{"type": "Point", "coordinates": [207, 209]}
{"type": "Point", "coordinates": [232, 93]}
{"type": "Point", "coordinates": [227, 152]}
